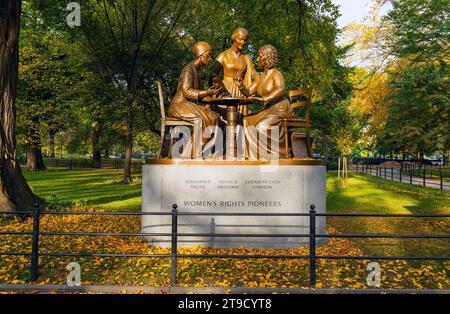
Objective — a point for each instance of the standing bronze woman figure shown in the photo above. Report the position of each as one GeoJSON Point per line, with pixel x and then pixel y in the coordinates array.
{"type": "Point", "coordinates": [234, 65]}
{"type": "Point", "coordinates": [271, 87]}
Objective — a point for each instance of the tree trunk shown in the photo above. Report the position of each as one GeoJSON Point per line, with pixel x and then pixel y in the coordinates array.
{"type": "Point", "coordinates": [326, 147]}
{"type": "Point", "coordinates": [96, 154]}
{"type": "Point", "coordinates": [15, 194]}
{"type": "Point", "coordinates": [33, 148]}
{"type": "Point", "coordinates": [128, 147]}
{"type": "Point", "coordinates": [52, 143]}
{"type": "Point", "coordinates": [446, 157]}
{"type": "Point", "coordinates": [60, 145]}
{"type": "Point", "coordinates": [106, 153]}
{"type": "Point", "coordinates": [34, 158]}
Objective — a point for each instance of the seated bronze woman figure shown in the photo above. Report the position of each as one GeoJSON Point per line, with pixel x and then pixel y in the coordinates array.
{"type": "Point", "coordinates": [183, 105]}
{"type": "Point", "coordinates": [270, 86]}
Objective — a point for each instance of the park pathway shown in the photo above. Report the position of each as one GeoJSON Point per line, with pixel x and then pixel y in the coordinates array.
{"type": "Point", "coordinates": [393, 174]}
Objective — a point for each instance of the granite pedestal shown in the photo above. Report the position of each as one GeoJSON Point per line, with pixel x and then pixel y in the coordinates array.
{"type": "Point", "coordinates": [233, 187]}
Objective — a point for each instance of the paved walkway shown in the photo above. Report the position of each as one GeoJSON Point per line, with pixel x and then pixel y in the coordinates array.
{"type": "Point", "coordinates": [204, 290]}
{"type": "Point", "coordinates": [394, 175]}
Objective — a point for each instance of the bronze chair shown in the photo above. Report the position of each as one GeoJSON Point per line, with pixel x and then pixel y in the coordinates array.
{"type": "Point", "coordinates": [174, 122]}
{"type": "Point", "coordinates": [296, 123]}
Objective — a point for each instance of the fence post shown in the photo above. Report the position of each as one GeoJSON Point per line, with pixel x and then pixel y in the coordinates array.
{"type": "Point", "coordinates": [212, 231]}
{"type": "Point", "coordinates": [173, 262]}
{"type": "Point", "coordinates": [392, 174]}
{"type": "Point", "coordinates": [401, 170]}
{"type": "Point", "coordinates": [312, 246]}
{"type": "Point", "coordinates": [385, 172]}
{"type": "Point", "coordinates": [356, 167]}
{"type": "Point", "coordinates": [35, 244]}
{"type": "Point", "coordinates": [424, 176]}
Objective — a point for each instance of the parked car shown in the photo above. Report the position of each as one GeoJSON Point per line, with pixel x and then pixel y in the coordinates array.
{"type": "Point", "coordinates": [433, 160]}
{"type": "Point", "coordinates": [437, 162]}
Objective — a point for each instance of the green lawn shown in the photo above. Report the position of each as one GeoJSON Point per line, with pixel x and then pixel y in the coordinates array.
{"type": "Point", "coordinates": [364, 194]}
{"type": "Point", "coordinates": [101, 188]}
{"type": "Point", "coordinates": [368, 194]}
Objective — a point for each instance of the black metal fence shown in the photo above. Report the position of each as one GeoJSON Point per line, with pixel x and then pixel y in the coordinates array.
{"type": "Point", "coordinates": [175, 235]}
{"type": "Point", "coordinates": [379, 160]}
{"type": "Point", "coordinates": [409, 174]}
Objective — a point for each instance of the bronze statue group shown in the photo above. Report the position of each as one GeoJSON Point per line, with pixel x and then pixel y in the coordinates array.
{"type": "Point", "coordinates": [233, 75]}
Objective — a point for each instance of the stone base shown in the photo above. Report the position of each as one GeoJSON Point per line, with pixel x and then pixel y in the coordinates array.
{"type": "Point", "coordinates": [232, 187]}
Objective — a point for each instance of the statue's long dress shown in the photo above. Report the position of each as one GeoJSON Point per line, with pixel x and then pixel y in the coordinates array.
{"type": "Point", "coordinates": [183, 108]}
{"type": "Point", "coordinates": [277, 107]}
{"type": "Point", "coordinates": [232, 68]}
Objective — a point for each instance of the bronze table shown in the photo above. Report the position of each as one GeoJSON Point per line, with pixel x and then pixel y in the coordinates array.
{"type": "Point", "coordinates": [232, 119]}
